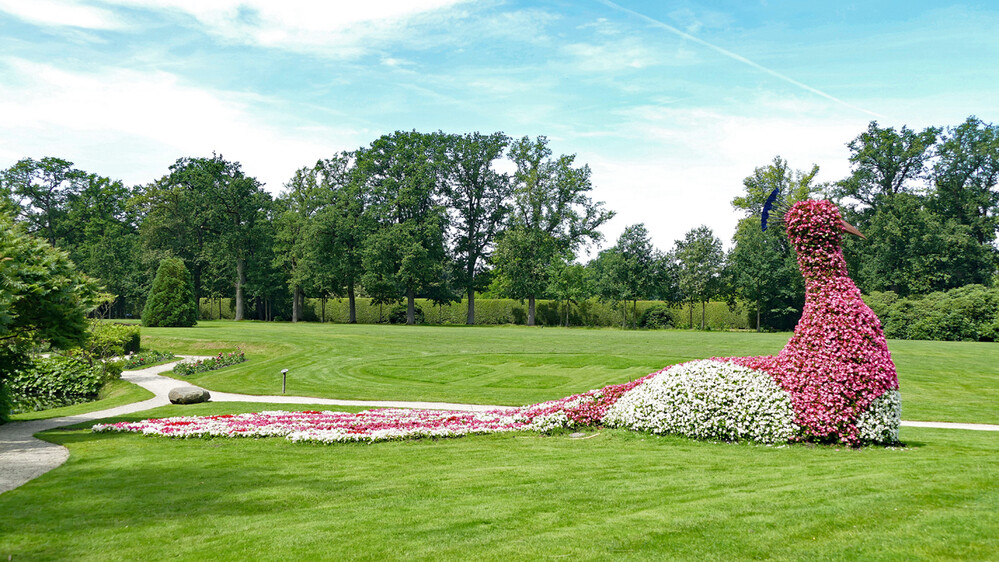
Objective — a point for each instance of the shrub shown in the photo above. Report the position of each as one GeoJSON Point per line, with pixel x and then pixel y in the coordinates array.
{"type": "Point", "coordinates": [62, 377]}
{"type": "Point", "coordinates": [656, 317]}
{"type": "Point", "coordinates": [211, 364]}
{"type": "Point", "coordinates": [969, 313]}
{"type": "Point", "coordinates": [398, 314]}
{"type": "Point", "coordinates": [107, 339]}
{"type": "Point", "coordinates": [171, 299]}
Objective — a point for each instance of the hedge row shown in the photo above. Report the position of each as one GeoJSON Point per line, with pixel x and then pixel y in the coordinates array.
{"type": "Point", "coordinates": [501, 311]}
{"type": "Point", "coordinates": [969, 313]}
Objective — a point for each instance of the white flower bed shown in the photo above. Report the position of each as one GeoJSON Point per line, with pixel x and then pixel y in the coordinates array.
{"type": "Point", "coordinates": [708, 400]}
{"type": "Point", "coordinates": [879, 423]}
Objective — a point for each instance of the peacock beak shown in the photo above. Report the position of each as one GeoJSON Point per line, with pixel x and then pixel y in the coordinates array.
{"type": "Point", "coordinates": [847, 227]}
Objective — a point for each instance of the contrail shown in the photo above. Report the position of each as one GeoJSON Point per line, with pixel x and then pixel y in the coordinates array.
{"type": "Point", "coordinates": [737, 57]}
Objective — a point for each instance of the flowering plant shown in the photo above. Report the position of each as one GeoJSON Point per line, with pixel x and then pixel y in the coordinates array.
{"type": "Point", "coordinates": [144, 359]}
{"type": "Point", "coordinates": [203, 365]}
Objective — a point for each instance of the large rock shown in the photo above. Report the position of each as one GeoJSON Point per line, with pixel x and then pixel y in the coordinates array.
{"type": "Point", "coordinates": [188, 395]}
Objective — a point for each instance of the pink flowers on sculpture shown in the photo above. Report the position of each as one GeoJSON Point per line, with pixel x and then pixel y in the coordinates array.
{"type": "Point", "coordinates": [837, 363]}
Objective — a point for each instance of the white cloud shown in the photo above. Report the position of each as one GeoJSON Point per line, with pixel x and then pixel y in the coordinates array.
{"type": "Point", "coordinates": [132, 125]}
{"type": "Point", "coordinates": [61, 13]}
{"type": "Point", "coordinates": [612, 56]}
{"type": "Point", "coordinates": [336, 29]}
{"type": "Point", "coordinates": [686, 165]}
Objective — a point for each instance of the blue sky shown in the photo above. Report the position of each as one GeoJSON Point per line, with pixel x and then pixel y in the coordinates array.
{"type": "Point", "coordinates": [671, 103]}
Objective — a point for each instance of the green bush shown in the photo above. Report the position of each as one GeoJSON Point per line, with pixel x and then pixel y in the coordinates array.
{"type": "Point", "coordinates": [171, 299]}
{"type": "Point", "coordinates": [61, 377]}
{"type": "Point", "coordinates": [108, 339]}
{"type": "Point", "coordinates": [656, 317]}
{"type": "Point", "coordinates": [398, 314]}
{"type": "Point", "coordinates": [969, 313]}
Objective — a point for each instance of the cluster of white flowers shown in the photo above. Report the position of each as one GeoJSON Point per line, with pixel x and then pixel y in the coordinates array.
{"type": "Point", "coordinates": [879, 422]}
{"type": "Point", "coordinates": [549, 423]}
{"type": "Point", "coordinates": [708, 400]}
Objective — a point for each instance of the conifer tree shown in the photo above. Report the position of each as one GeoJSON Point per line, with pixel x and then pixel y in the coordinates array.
{"type": "Point", "coordinates": [171, 300]}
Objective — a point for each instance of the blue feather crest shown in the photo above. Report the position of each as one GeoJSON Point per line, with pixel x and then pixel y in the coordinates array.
{"type": "Point", "coordinates": [769, 205]}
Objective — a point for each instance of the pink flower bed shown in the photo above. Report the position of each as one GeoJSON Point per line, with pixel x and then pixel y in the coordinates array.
{"type": "Point", "coordinates": [383, 424]}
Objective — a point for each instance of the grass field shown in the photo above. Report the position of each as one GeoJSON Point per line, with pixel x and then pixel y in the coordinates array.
{"type": "Point", "coordinates": [513, 365]}
{"type": "Point", "coordinates": [612, 495]}
{"type": "Point", "coordinates": [615, 495]}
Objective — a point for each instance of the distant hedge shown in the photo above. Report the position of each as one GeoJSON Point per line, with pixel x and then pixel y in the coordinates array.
{"type": "Point", "coordinates": [969, 313]}
{"type": "Point", "coordinates": [502, 311]}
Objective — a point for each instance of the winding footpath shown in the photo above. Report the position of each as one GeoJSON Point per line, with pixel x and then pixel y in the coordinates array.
{"type": "Point", "coordinates": [24, 458]}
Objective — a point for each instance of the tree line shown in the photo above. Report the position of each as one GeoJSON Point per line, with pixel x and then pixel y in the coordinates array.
{"type": "Point", "coordinates": [432, 215]}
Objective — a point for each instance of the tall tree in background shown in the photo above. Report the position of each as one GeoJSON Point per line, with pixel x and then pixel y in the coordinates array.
{"type": "Point", "coordinates": [237, 207]}
{"type": "Point", "coordinates": [403, 172]}
{"type": "Point", "coordinates": [294, 250]}
{"type": "Point", "coordinates": [42, 190]}
{"type": "Point", "coordinates": [700, 259]}
{"type": "Point", "coordinates": [631, 270]}
{"type": "Point", "coordinates": [478, 198]}
{"type": "Point", "coordinates": [762, 265]}
{"type": "Point", "coordinates": [920, 220]}
{"type": "Point", "coordinates": [107, 246]}
{"type": "Point", "coordinates": [964, 180]}
{"type": "Point", "coordinates": [340, 229]}
{"type": "Point", "coordinates": [175, 223]}
{"type": "Point", "coordinates": [886, 162]}
{"type": "Point", "coordinates": [552, 216]}
{"type": "Point", "coordinates": [207, 208]}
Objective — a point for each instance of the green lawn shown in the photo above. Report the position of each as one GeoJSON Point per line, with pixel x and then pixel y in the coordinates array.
{"type": "Point", "coordinates": [516, 365]}
{"type": "Point", "coordinates": [617, 495]}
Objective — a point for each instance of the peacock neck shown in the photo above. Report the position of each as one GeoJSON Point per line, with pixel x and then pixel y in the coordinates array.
{"type": "Point", "coordinates": [824, 271]}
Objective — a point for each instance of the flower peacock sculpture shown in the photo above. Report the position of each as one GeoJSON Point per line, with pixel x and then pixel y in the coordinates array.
{"type": "Point", "coordinates": [834, 381]}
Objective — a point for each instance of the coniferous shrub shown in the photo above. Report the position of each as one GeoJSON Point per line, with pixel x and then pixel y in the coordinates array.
{"type": "Point", "coordinates": [171, 300]}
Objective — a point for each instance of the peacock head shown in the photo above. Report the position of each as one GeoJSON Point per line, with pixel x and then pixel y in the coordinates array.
{"type": "Point", "coordinates": [816, 225]}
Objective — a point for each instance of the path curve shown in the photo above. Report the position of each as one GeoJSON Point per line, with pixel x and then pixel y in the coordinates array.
{"type": "Point", "coordinates": [24, 457]}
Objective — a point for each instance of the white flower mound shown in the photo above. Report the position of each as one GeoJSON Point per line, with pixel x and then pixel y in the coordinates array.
{"type": "Point", "coordinates": [879, 423]}
{"type": "Point", "coordinates": [708, 400]}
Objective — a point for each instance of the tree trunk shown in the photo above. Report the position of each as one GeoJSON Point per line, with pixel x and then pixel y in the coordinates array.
{"type": "Point", "coordinates": [196, 275]}
{"type": "Point", "coordinates": [323, 318]}
{"type": "Point", "coordinates": [240, 281]}
{"type": "Point", "coordinates": [691, 315]}
{"type": "Point", "coordinates": [530, 311]}
{"type": "Point", "coordinates": [624, 315]}
{"type": "Point", "coordinates": [703, 306]}
{"type": "Point", "coordinates": [634, 314]}
{"type": "Point", "coordinates": [352, 306]}
{"type": "Point", "coordinates": [470, 317]}
{"type": "Point", "coordinates": [410, 307]}
{"type": "Point", "coordinates": [296, 304]}
{"type": "Point", "coordinates": [757, 315]}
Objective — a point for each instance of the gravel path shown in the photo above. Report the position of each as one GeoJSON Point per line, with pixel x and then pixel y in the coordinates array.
{"type": "Point", "coordinates": [24, 458]}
